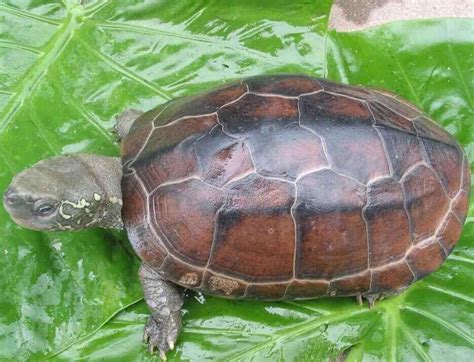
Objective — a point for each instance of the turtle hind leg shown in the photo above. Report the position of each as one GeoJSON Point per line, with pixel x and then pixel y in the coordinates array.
{"type": "Point", "coordinates": [164, 299]}
{"type": "Point", "coordinates": [371, 299]}
{"type": "Point", "coordinates": [125, 121]}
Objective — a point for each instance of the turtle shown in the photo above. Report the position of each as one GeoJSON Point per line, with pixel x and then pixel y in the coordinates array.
{"type": "Point", "coordinates": [273, 187]}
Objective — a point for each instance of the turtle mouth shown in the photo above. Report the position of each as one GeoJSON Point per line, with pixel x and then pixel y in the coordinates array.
{"type": "Point", "coordinates": [27, 223]}
{"type": "Point", "coordinates": [15, 205]}
{"type": "Point", "coordinates": [10, 198]}
{"type": "Point", "coordinates": [24, 223]}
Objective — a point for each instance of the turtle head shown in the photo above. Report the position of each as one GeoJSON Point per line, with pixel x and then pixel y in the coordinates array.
{"type": "Point", "coordinates": [67, 193]}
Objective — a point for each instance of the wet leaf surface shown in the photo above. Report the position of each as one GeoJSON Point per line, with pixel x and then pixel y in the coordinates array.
{"type": "Point", "coordinates": [69, 69]}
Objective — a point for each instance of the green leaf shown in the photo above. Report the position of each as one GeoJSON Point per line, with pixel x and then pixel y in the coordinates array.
{"type": "Point", "coordinates": [68, 69]}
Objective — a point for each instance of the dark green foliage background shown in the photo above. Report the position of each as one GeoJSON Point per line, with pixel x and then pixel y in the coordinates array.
{"type": "Point", "coordinates": [68, 69]}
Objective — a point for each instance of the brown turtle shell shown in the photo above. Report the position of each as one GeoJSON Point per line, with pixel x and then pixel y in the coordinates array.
{"type": "Point", "coordinates": [292, 187]}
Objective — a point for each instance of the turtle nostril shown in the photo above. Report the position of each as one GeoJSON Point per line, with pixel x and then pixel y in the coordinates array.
{"type": "Point", "coordinates": [10, 196]}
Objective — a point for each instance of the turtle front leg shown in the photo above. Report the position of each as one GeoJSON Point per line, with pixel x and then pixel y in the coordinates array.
{"type": "Point", "coordinates": [165, 300]}
{"type": "Point", "coordinates": [125, 121]}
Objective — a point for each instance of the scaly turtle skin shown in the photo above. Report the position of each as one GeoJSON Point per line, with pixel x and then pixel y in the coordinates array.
{"type": "Point", "coordinates": [282, 187]}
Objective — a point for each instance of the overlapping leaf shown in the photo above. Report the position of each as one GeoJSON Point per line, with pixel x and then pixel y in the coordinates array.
{"type": "Point", "coordinates": [68, 69]}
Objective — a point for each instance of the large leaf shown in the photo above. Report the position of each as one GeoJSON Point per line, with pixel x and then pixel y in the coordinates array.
{"type": "Point", "coordinates": [68, 69]}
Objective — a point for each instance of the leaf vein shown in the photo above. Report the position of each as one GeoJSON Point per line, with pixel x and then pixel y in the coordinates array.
{"type": "Point", "coordinates": [190, 37]}
{"type": "Point", "coordinates": [410, 85]}
{"type": "Point", "coordinates": [13, 45]}
{"type": "Point", "coordinates": [461, 77]}
{"type": "Point", "coordinates": [126, 72]}
{"type": "Point", "coordinates": [451, 293]}
{"type": "Point", "coordinates": [26, 14]}
{"type": "Point", "coordinates": [414, 342]}
{"type": "Point", "coordinates": [461, 258]}
{"type": "Point", "coordinates": [90, 119]}
{"type": "Point", "coordinates": [442, 322]}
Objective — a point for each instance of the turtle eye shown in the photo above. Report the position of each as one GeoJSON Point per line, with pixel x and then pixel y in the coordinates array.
{"type": "Point", "coordinates": [44, 208]}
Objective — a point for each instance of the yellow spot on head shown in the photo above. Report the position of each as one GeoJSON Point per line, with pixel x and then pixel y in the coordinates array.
{"type": "Point", "coordinates": [115, 200]}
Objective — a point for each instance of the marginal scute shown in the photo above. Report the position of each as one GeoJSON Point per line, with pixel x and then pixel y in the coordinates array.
{"type": "Point", "coordinates": [345, 89]}
{"type": "Point", "coordinates": [387, 221]}
{"type": "Point", "coordinates": [396, 104]}
{"type": "Point", "coordinates": [466, 175]}
{"type": "Point", "coordinates": [449, 232]}
{"type": "Point", "coordinates": [223, 286]}
{"type": "Point", "coordinates": [284, 85]}
{"type": "Point", "coordinates": [460, 205]}
{"type": "Point", "coordinates": [255, 217]}
{"type": "Point", "coordinates": [271, 291]}
{"type": "Point", "coordinates": [350, 285]}
{"type": "Point", "coordinates": [133, 143]}
{"type": "Point", "coordinates": [446, 160]}
{"type": "Point", "coordinates": [330, 226]}
{"type": "Point", "coordinates": [181, 273]}
{"type": "Point", "coordinates": [252, 112]}
{"type": "Point", "coordinates": [387, 118]}
{"type": "Point", "coordinates": [403, 150]}
{"type": "Point", "coordinates": [426, 202]}
{"type": "Point", "coordinates": [135, 199]}
{"type": "Point", "coordinates": [307, 289]}
{"type": "Point", "coordinates": [202, 104]}
{"type": "Point", "coordinates": [426, 128]}
{"type": "Point", "coordinates": [148, 248]}
{"type": "Point", "coordinates": [346, 124]}
{"type": "Point", "coordinates": [222, 158]}
{"type": "Point", "coordinates": [426, 259]}
{"type": "Point", "coordinates": [185, 213]}
{"type": "Point", "coordinates": [286, 152]}
{"type": "Point", "coordinates": [134, 215]}
{"type": "Point", "coordinates": [332, 107]}
{"type": "Point", "coordinates": [392, 278]}
{"type": "Point", "coordinates": [146, 119]}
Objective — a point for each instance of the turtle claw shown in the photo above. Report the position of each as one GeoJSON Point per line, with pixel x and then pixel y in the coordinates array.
{"type": "Point", "coordinates": [371, 299]}
{"type": "Point", "coordinates": [161, 333]}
